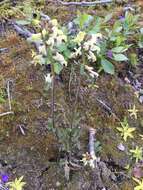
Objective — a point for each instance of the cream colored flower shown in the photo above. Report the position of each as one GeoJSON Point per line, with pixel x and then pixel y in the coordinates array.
{"type": "Point", "coordinates": [95, 37]}
{"type": "Point", "coordinates": [61, 38]}
{"type": "Point", "coordinates": [57, 37]}
{"type": "Point", "coordinates": [133, 112]}
{"type": "Point", "coordinates": [48, 78]}
{"type": "Point", "coordinates": [91, 72]}
{"type": "Point", "coordinates": [88, 160]}
{"type": "Point", "coordinates": [44, 32]}
{"type": "Point", "coordinates": [91, 44]}
{"type": "Point", "coordinates": [54, 22]}
{"type": "Point", "coordinates": [37, 59]}
{"type": "Point", "coordinates": [80, 37]}
{"type": "Point", "coordinates": [91, 56]}
{"type": "Point", "coordinates": [76, 53]}
{"type": "Point", "coordinates": [60, 58]}
{"type": "Point", "coordinates": [95, 48]}
{"type": "Point", "coordinates": [33, 53]}
{"type": "Point", "coordinates": [42, 50]}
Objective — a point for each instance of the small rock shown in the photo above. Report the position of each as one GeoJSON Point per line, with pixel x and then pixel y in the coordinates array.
{"type": "Point", "coordinates": [141, 99]}
{"type": "Point", "coordinates": [138, 171]}
{"type": "Point", "coordinates": [58, 184]}
{"type": "Point", "coordinates": [121, 147]}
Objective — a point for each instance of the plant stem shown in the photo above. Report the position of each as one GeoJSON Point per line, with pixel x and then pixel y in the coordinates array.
{"type": "Point", "coordinates": [49, 55]}
{"type": "Point", "coordinates": [53, 95]}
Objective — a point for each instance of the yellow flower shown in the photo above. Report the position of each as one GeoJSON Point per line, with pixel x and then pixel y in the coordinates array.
{"type": "Point", "coordinates": [35, 22]}
{"type": "Point", "coordinates": [44, 32]}
{"type": "Point", "coordinates": [38, 59]}
{"type": "Point", "coordinates": [133, 112]}
{"type": "Point", "coordinates": [140, 184]}
{"type": "Point", "coordinates": [125, 130]}
{"type": "Point", "coordinates": [54, 22]}
{"type": "Point", "coordinates": [137, 153]}
{"type": "Point", "coordinates": [17, 184]}
{"type": "Point", "coordinates": [33, 53]}
{"type": "Point", "coordinates": [35, 37]}
{"type": "Point", "coordinates": [80, 37]}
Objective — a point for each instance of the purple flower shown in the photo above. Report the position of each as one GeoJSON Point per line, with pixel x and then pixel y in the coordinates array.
{"type": "Point", "coordinates": [121, 18]}
{"type": "Point", "coordinates": [109, 54]}
{"type": "Point", "coordinates": [4, 178]}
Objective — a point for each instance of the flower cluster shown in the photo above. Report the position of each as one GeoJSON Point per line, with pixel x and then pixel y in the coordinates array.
{"type": "Point", "coordinates": [48, 41]}
{"type": "Point", "coordinates": [89, 44]}
{"type": "Point", "coordinates": [56, 37]}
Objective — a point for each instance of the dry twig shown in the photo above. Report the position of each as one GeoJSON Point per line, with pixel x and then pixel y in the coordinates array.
{"type": "Point", "coordinates": [6, 113]}
{"type": "Point", "coordinates": [84, 3]}
{"type": "Point", "coordinates": [92, 132]}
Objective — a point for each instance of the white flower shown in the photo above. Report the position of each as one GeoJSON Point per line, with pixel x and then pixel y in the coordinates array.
{"type": "Point", "coordinates": [42, 50]}
{"type": "Point", "coordinates": [61, 38]}
{"type": "Point", "coordinates": [95, 37]}
{"type": "Point", "coordinates": [76, 53]}
{"type": "Point", "coordinates": [60, 58]}
{"type": "Point", "coordinates": [95, 48]}
{"type": "Point", "coordinates": [91, 56]}
{"type": "Point", "coordinates": [48, 78]}
{"type": "Point", "coordinates": [91, 44]}
{"type": "Point", "coordinates": [88, 159]}
{"type": "Point", "coordinates": [50, 41]}
{"type": "Point", "coordinates": [57, 37]}
{"type": "Point", "coordinates": [91, 72]}
{"type": "Point", "coordinates": [38, 59]}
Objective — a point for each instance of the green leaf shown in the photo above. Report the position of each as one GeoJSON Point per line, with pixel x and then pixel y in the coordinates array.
{"type": "Point", "coordinates": [117, 27]}
{"type": "Point", "coordinates": [57, 68]}
{"type": "Point", "coordinates": [107, 66]}
{"type": "Point", "coordinates": [96, 28]}
{"type": "Point", "coordinates": [119, 49]}
{"type": "Point", "coordinates": [62, 47]}
{"type": "Point", "coordinates": [83, 19]}
{"type": "Point", "coordinates": [120, 57]}
{"type": "Point", "coordinates": [2, 100]}
{"type": "Point", "coordinates": [108, 17]}
{"type": "Point", "coordinates": [23, 22]}
{"type": "Point", "coordinates": [133, 59]}
{"type": "Point", "coordinates": [35, 38]}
